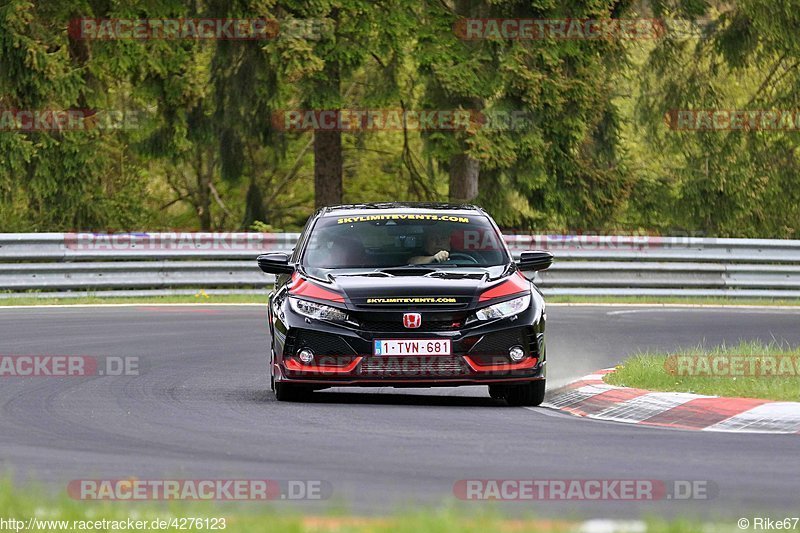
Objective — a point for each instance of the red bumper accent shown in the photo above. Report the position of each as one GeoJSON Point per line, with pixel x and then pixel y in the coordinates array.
{"type": "Point", "coordinates": [295, 366]}
{"type": "Point", "coordinates": [522, 365]}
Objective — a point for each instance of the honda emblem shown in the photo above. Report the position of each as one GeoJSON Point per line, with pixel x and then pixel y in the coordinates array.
{"type": "Point", "coordinates": [412, 320]}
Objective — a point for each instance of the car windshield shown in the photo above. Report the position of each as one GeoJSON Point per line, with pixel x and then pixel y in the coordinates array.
{"type": "Point", "coordinates": [379, 241]}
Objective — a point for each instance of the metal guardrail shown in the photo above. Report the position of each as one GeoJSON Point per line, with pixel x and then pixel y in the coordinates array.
{"type": "Point", "coordinates": [65, 265]}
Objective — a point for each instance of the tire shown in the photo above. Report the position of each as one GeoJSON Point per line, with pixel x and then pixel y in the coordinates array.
{"type": "Point", "coordinates": [528, 395]}
{"type": "Point", "coordinates": [286, 392]}
{"type": "Point", "coordinates": [271, 367]}
{"type": "Point", "coordinates": [497, 392]}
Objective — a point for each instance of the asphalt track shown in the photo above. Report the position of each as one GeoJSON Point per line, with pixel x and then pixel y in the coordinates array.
{"type": "Point", "coordinates": [200, 408]}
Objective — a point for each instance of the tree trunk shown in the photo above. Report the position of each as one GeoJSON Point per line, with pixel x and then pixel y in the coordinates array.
{"type": "Point", "coordinates": [203, 192]}
{"type": "Point", "coordinates": [327, 168]}
{"type": "Point", "coordinates": [254, 206]}
{"type": "Point", "coordinates": [464, 173]}
{"type": "Point", "coordinates": [328, 143]}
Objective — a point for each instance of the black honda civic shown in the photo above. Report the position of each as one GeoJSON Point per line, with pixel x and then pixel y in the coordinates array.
{"type": "Point", "coordinates": [405, 295]}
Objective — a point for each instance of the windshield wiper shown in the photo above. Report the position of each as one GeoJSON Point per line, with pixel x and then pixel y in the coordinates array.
{"type": "Point", "coordinates": [404, 267]}
{"type": "Point", "coordinates": [415, 270]}
{"type": "Point", "coordinates": [372, 274]}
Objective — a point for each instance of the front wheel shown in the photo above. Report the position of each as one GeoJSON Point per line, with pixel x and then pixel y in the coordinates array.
{"type": "Point", "coordinates": [271, 367]}
{"type": "Point", "coordinates": [497, 392]}
{"type": "Point", "coordinates": [528, 395]}
{"type": "Point", "coordinates": [287, 392]}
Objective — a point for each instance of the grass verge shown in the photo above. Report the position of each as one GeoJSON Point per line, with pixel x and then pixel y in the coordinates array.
{"type": "Point", "coordinates": [48, 513]}
{"type": "Point", "coordinates": [748, 369]}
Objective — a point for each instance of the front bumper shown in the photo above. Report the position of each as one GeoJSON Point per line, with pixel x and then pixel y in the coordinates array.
{"type": "Point", "coordinates": [344, 357]}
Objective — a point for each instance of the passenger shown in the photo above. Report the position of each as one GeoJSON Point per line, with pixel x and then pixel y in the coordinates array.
{"type": "Point", "coordinates": [347, 252]}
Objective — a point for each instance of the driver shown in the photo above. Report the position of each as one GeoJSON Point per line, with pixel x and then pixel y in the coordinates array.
{"type": "Point", "coordinates": [437, 244]}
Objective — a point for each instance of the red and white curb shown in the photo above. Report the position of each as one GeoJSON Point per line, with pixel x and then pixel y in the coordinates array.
{"type": "Point", "coordinates": [591, 397]}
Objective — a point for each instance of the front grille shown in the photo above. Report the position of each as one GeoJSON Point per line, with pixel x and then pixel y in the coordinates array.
{"type": "Point", "coordinates": [499, 343]}
{"type": "Point", "coordinates": [397, 325]}
{"type": "Point", "coordinates": [321, 343]}
{"type": "Point", "coordinates": [412, 366]}
{"type": "Point", "coordinates": [431, 321]}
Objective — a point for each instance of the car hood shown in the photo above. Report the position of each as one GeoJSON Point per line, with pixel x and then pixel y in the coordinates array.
{"type": "Point", "coordinates": [415, 287]}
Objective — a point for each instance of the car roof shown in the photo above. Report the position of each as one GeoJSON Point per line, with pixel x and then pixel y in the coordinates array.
{"type": "Point", "coordinates": [400, 207]}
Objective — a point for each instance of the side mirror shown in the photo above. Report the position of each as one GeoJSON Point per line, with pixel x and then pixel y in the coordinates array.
{"type": "Point", "coordinates": [275, 263]}
{"type": "Point", "coordinates": [535, 260]}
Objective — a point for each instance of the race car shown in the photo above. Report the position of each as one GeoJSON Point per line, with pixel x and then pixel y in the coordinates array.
{"type": "Point", "coordinates": [405, 295]}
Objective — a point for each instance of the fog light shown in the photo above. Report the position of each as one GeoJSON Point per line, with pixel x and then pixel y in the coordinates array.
{"type": "Point", "coordinates": [516, 354]}
{"type": "Point", "coordinates": [306, 356]}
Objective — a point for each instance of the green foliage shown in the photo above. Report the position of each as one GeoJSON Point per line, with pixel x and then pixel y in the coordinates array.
{"type": "Point", "coordinates": [592, 153]}
{"type": "Point", "coordinates": [728, 183]}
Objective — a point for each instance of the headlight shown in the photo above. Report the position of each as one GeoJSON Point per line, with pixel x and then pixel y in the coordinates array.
{"type": "Point", "coordinates": [511, 307]}
{"type": "Point", "coordinates": [318, 311]}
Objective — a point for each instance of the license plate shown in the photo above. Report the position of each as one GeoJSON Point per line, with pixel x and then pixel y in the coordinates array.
{"type": "Point", "coordinates": [412, 347]}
